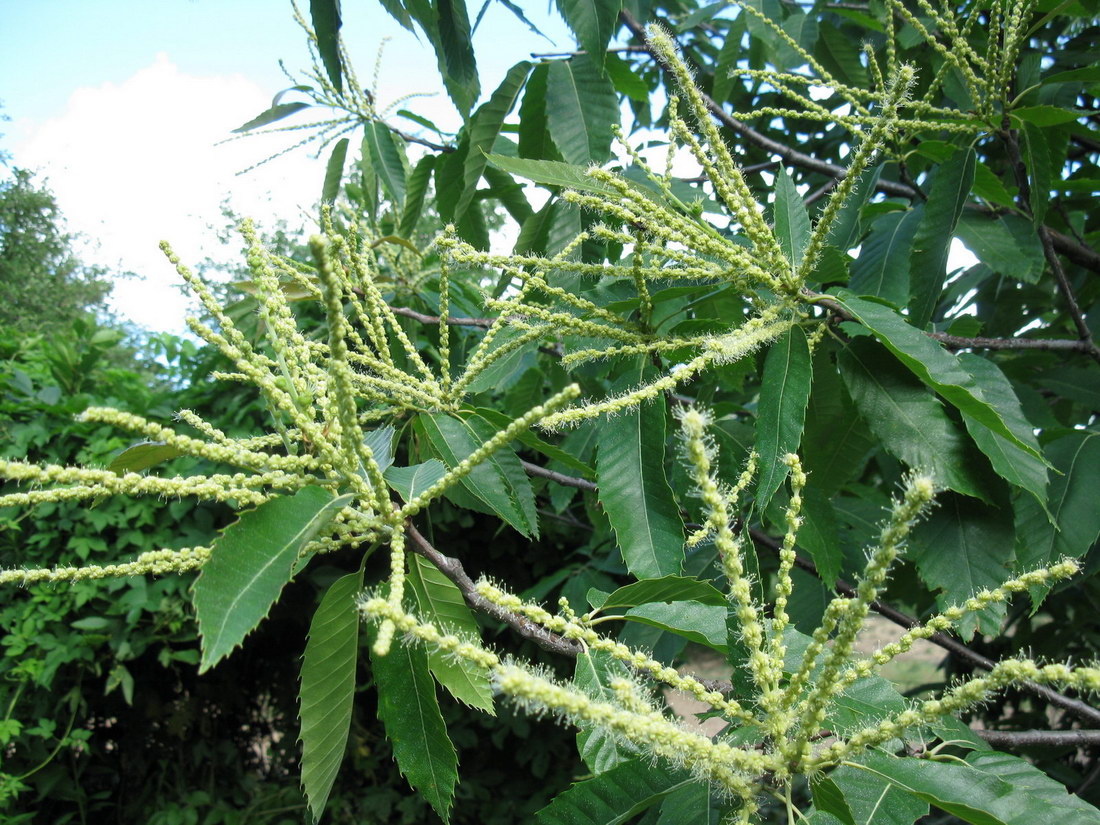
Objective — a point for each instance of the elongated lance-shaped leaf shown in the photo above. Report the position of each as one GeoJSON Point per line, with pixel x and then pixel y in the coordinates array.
{"type": "Point", "coordinates": [334, 171]}
{"type": "Point", "coordinates": [412, 481]}
{"type": "Point", "coordinates": [593, 22]}
{"type": "Point", "coordinates": [415, 192]}
{"type": "Point", "coordinates": [781, 413]}
{"type": "Point", "coordinates": [932, 364]}
{"type": "Point", "coordinates": [440, 602]}
{"type": "Point", "coordinates": [792, 222]}
{"type": "Point", "coordinates": [976, 792]}
{"type": "Point", "coordinates": [447, 26]}
{"type": "Point", "coordinates": [325, 15]}
{"type": "Point", "coordinates": [585, 107]}
{"type": "Point", "coordinates": [551, 173]}
{"type": "Point", "coordinates": [882, 269]}
{"type": "Point", "coordinates": [857, 797]}
{"type": "Point", "coordinates": [142, 456]}
{"type": "Point", "coordinates": [409, 710]}
{"type": "Point", "coordinates": [600, 749]}
{"type": "Point", "coordinates": [932, 242]}
{"type": "Point", "coordinates": [386, 157]}
{"type": "Point", "coordinates": [635, 494]}
{"type": "Point", "coordinates": [328, 687]}
{"type": "Point", "coordinates": [499, 482]}
{"type": "Point", "coordinates": [485, 126]}
{"type": "Point", "coordinates": [909, 421]}
{"type": "Point", "coordinates": [614, 796]}
{"type": "Point", "coordinates": [268, 116]}
{"type": "Point", "coordinates": [251, 562]}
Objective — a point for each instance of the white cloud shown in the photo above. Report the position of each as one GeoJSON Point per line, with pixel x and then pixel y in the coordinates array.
{"type": "Point", "coordinates": [136, 162]}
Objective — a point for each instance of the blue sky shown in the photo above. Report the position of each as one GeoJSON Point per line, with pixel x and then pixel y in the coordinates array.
{"type": "Point", "coordinates": [119, 105]}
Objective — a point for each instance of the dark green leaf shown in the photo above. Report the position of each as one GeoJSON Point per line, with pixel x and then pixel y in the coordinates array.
{"type": "Point", "coordinates": [781, 412]}
{"type": "Point", "coordinates": [485, 127]}
{"type": "Point", "coordinates": [614, 796]}
{"type": "Point", "coordinates": [1010, 462]}
{"type": "Point", "coordinates": [440, 602]}
{"type": "Point", "coordinates": [499, 482]}
{"type": "Point", "coordinates": [551, 173]}
{"type": "Point", "coordinates": [1006, 244]}
{"type": "Point", "coordinates": [593, 22]}
{"type": "Point", "coordinates": [882, 268]}
{"type": "Point", "coordinates": [415, 192]}
{"type": "Point", "coordinates": [250, 563]}
{"type": "Point", "coordinates": [867, 799]}
{"type": "Point", "coordinates": [1071, 500]}
{"type": "Point", "coordinates": [964, 546]}
{"type": "Point", "coordinates": [387, 159]}
{"type": "Point", "coordinates": [409, 710]}
{"type": "Point", "coordinates": [598, 747]}
{"type": "Point", "coordinates": [1047, 115]}
{"type": "Point", "coordinates": [932, 241]}
{"type": "Point", "coordinates": [142, 456]}
{"type": "Point", "coordinates": [585, 108]}
{"type": "Point", "coordinates": [909, 420]}
{"type": "Point", "coordinates": [625, 79]}
{"type": "Point", "coordinates": [976, 795]}
{"type": "Point", "coordinates": [664, 589]}
{"type": "Point", "coordinates": [412, 481]}
{"type": "Point", "coordinates": [328, 688]}
{"type": "Point", "coordinates": [325, 15]}
{"type": "Point", "coordinates": [792, 222]}
{"type": "Point", "coordinates": [932, 364]}
{"type": "Point", "coordinates": [273, 114]}
{"type": "Point", "coordinates": [844, 233]}
{"type": "Point", "coordinates": [703, 624]}
{"type": "Point", "coordinates": [334, 171]}
{"type": "Point", "coordinates": [630, 471]}
{"type": "Point", "coordinates": [447, 26]}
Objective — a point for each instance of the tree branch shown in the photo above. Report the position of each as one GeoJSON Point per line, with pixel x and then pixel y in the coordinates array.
{"type": "Point", "coordinates": [485, 323]}
{"type": "Point", "coordinates": [1030, 738]}
{"type": "Point", "coordinates": [453, 570]}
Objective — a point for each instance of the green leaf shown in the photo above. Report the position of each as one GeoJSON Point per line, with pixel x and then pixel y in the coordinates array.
{"type": "Point", "coordinates": [1010, 462]}
{"type": "Point", "coordinates": [975, 794]}
{"type": "Point", "coordinates": [485, 127]}
{"type": "Point", "coordinates": [836, 442]}
{"type": "Point", "coordinates": [415, 192]}
{"type": "Point", "coordinates": [664, 589]}
{"type": "Point", "coordinates": [593, 22]}
{"type": "Point", "coordinates": [882, 268]}
{"type": "Point", "coordinates": [409, 710]}
{"type": "Point", "coordinates": [908, 420]}
{"type": "Point", "coordinates": [277, 112]}
{"type": "Point", "coordinates": [963, 547]}
{"type": "Point", "coordinates": [250, 563]}
{"type": "Point", "coordinates": [693, 803]}
{"type": "Point", "coordinates": [441, 603]}
{"type": "Point", "coordinates": [630, 472]}
{"type": "Point", "coordinates": [334, 171]}
{"type": "Point", "coordinates": [1047, 115]}
{"type": "Point", "coordinates": [703, 624]}
{"type": "Point", "coordinates": [585, 108]}
{"type": "Point", "coordinates": [388, 160]}
{"type": "Point", "coordinates": [142, 456]}
{"type": "Point", "coordinates": [1071, 500]}
{"type": "Point", "coordinates": [792, 222]}
{"type": "Point", "coordinates": [1006, 244]}
{"type": "Point", "coordinates": [615, 796]}
{"type": "Point", "coordinates": [412, 481]}
{"type": "Point", "coordinates": [325, 15]}
{"type": "Point", "coordinates": [551, 173]}
{"type": "Point", "coordinates": [932, 364]}
{"type": "Point", "coordinates": [1023, 776]}
{"type": "Point", "coordinates": [932, 241]}
{"type": "Point", "coordinates": [539, 445]}
{"type": "Point", "coordinates": [447, 26]}
{"type": "Point", "coordinates": [599, 747]}
{"type": "Point", "coordinates": [625, 79]}
{"type": "Point", "coordinates": [860, 798]}
{"type": "Point", "coordinates": [499, 482]}
{"type": "Point", "coordinates": [328, 688]}
{"type": "Point", "coordinates": [728, 56]}
{"type": "Point", "coordinates": [845, 231]}
{"type": "Point", "coordinates": [781, 412]}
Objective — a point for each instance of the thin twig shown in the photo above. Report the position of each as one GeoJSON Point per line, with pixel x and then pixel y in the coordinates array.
{"type": "Point", "coordinates": [556, 477]}
{"type": "Point", "coordinates": [1031, 738]}
{"type": "Point", "coordinates": [434, 319]}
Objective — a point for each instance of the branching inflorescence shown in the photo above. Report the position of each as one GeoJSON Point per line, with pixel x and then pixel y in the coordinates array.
{"type": "Point", "coordinates": [325, 390]}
